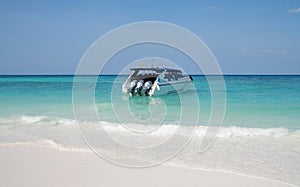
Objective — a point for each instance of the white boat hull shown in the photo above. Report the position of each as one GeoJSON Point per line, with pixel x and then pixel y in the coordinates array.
{"type": "Point", "coordinates": [163, 82]}
{"type": "Point", "coordinates": [171, 88]}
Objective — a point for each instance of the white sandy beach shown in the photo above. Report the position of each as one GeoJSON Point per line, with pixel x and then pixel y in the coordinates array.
{"type": "Point", "coordinates": [34, 165]}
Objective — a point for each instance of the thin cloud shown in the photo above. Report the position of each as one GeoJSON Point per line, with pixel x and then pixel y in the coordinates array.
{"type": "Point", "coordinates": [295, 10]}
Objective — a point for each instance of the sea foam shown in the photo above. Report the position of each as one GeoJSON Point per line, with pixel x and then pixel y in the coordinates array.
{"type": "Point", "coordinates": [224, 132]}
{"type": "Point", "coordinates": [154, 130]}
{"type": "Point", "coordinates": [32, 119]}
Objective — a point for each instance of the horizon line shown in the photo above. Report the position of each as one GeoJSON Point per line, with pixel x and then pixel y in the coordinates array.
{"type": "Point", "coordinates": [227, 74]}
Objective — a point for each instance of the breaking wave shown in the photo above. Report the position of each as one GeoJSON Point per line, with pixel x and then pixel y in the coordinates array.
{"type": "Point", "coordinates": [225, 132]}
{"type": "Point", "coordinates": [163, 130]}
{"type": "Point", "coordinates": [25, 119]}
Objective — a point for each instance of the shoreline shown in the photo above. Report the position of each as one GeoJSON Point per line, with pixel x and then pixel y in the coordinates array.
{"type": "Point", "coordinates": [37, 165]}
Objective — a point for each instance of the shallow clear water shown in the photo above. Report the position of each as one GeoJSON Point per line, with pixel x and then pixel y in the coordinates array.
{"type": "Point", "coordinates": [252, 101]}
{"type": "Point", "coordinates": [260, 135]}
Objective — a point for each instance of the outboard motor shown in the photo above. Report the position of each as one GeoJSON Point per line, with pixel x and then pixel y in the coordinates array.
{"type": "Point", "coordinates": [132, 86]}
{"type": "Point", "coordinates": [139, 87]}
{"type": "Point", "coordinates": [147, 87]}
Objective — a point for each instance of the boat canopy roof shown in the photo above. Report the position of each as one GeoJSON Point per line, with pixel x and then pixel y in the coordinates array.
{"type": "Point", "coordinates": [159, 70]}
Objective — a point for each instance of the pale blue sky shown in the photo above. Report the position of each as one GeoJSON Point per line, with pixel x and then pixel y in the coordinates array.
{"type": "Point", "coordinates": [49, 37]}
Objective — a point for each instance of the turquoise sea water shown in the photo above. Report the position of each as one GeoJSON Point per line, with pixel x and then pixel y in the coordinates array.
{"type": "Point", "coordinates": [260, 134]}
{"type": "Point", "coordinates": [252, 101]}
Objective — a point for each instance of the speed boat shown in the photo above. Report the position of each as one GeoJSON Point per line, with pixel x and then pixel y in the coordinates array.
{"type": "Point", "coordinates": [155, 81]}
